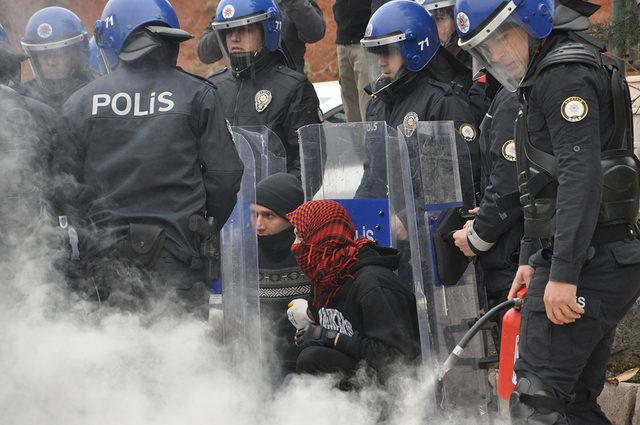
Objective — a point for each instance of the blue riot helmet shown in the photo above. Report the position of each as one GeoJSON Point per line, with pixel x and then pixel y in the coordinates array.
{"type": "Point", "coordinates": [246, 30]}
{"type": "Point", "coordinates": [442, 13]}
{"type": "Point", "coordinates": [100, 61]}
{"type": "Point", "coordinates": [57, 44]}
{"type": "Point", "coordinates": [129, 30]}
{"type": "Point", "coordinates": [10, 59]}
{"type": "Point", "coordinates": [401, 38]}
{"type": "Point", "coordinates": [501, 34]}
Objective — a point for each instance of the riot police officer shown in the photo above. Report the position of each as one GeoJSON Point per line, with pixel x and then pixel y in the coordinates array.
{"type": "Point", "coordinates": [257, 87]}
{"type": "Point", "coordinates": [401, 43]}
{"type": "Point", "coordinates": [494, 234]}
{"type": "Point", "coordinates": [302, 23]}
{"type": "Point", "coordinates": [579, 186]}
{"type": "Point", "coordinates": [157, 154]}
{"type": "Point", "coordinates": [57, 44]}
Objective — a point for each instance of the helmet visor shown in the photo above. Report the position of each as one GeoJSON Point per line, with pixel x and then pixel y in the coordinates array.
{"type": "Point", "coordinates": [240, 44]}
{"type": "Point", "coordinates": [504, 53]}
{"type": "Point", "coordinates": [384, 63]}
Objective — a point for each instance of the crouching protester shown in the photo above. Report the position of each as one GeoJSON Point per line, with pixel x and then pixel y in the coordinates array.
{"type": "Point", "coordinates": [280, 277]}
{"type": "Point", "coordinates": [360, 311]}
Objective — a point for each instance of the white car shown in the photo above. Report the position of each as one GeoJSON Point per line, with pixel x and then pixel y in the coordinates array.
{"type": "Point", "coordinates": [330, 101]}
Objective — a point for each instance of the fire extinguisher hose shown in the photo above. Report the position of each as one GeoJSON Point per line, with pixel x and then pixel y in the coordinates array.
{"type": "Point", "coordinates": [462, 345]}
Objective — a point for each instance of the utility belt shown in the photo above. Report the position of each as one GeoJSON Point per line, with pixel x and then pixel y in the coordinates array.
{"type": "Point", "coordinates": [145, 243]}
{"type": "Point", "coordinates": [606, 233]}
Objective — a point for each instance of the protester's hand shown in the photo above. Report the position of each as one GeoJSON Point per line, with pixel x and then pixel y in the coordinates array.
{"type": "Point", "coordinates": [561, 304]}
{"type": "Point", "coordinates": [316, 335]}
{"type": "Point", "coordinates": [462, 242]}
{"type": "Point", "coordinates": [522, 279]}
{"type": "Point", "coordinates": [474, 211]}
{"type": "Point", "coordinates": [298, 313]}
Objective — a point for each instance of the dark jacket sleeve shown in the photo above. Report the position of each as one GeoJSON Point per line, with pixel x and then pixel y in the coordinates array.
{"type": "Point", "coordinates": [307, 18]}
{"type": "Point", "coordinates": [208, 49]}
{"type": "Point", "coordinates": [388, 330]}
{"type": "Point", "coordinates": [491, 223]}
{"type": "Point", "coordinates": [577, 147]}
{"type": "Point", "coordinates": [219, 158]}
{"type": "Point", "coordinates": [303, 110]}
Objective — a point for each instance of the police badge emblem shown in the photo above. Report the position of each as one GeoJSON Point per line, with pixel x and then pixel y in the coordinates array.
{"type": "Point", "coordinates": [509, 150]}
{"type": "Point", "coordinates": [44, 30]}
{"type": "Point", "coordinates": [463, 22]}
{"type": "Point", "coordinates": [467, 132]}
{"type": "Point", "coordinates": [574, 109]}
{"type": "Point", "coordinates": [263, 99]}
{"type": "Point", "coordinates": [228, 11]}
{"type": "Point", "coordinates": [410, 123]}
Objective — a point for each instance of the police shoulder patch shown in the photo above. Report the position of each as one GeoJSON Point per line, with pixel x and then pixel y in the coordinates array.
{"type": "Point", "coordinates": [410, 123]}
{"type": "Point", "coordinates": [263, 99]}
{"type": "Point", "coordinates": [574, 109]}
{"type": "Point", "coordinates": [509, 150]}
{"type": "Point", "coordinates": [468, 132]}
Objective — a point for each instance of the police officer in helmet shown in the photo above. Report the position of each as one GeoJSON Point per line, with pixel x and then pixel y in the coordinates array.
{"type": "Point", "coordinates": [157, 154]}
{"type": "Point", "coordinates": [401, 44]}
{"type": "Point", "coordinates": [579, 187]}
{"type": "Point", "coordinates": [57, 44]}
{"type": "Point", "coordinates": [257, 87]}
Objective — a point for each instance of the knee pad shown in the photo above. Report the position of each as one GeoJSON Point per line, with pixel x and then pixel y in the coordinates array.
{"type": "Point", "coordinates": [534, 403]}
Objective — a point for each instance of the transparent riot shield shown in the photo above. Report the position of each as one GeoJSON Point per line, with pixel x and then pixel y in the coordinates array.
{"type": "Point", "coordinates": [237, 289]}
{"type": "Point", "coordinates": [436, 179]}
{"type": "Point", "coordinates": [333, 167]}
{"type": "Point", "coordinates": [268, 151]}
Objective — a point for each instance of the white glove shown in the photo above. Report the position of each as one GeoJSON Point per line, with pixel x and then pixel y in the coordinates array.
{"type": "Point", "coordinates": [298, 314]}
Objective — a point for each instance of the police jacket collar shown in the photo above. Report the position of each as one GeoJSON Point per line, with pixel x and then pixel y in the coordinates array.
{"type": "Point", "coordinates": [263, 61]}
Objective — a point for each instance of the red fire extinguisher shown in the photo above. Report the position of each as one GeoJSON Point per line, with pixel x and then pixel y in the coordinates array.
{"type": "Point", "coordinates": [509, 349]}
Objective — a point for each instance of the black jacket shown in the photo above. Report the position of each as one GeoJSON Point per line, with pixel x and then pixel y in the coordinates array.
{"type": "Point", "coordinates": [430, 100]}
{"type": "Point", "coordinates": [352, 17]}
{"type": "Point", "coordinates": [497, 233]}
{"type": "Point", "coordinates": [31, 147]}
{"type": "Point", "coordinates": [33, 89]}
{"type": "Point", "coordinates": [576, 145]}
{"type": "Point", "coordinates": [302, 23]}
{"type": "Point", "coordinates": [378, 309]}
{"type": "Point", "coordinates": [155, 149]}
{"type": "Point", "coordinates": [293, 102]}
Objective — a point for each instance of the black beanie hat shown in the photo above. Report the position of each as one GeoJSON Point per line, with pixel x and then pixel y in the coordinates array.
{"type": "Point", "coordinates": [282, 193]}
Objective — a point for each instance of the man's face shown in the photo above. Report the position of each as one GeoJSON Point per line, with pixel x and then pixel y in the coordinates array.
{"type": "Point", "coordinates": [266, 222]}
{"type": "Point", "coordinates": [246, 39]}
{"type": "Point", "coordinates": [446, 25]}
{"type": "Point", "coordinates": [390, 63]}
{"type": "Point", "coordinates": [54, 64]}
{"type": "Point", "coordinates": [510, 49]}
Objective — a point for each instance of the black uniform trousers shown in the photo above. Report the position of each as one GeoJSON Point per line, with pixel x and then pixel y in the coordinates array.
{"type": "Point", "coordinates": [167, 284]}
{"type": "Point", "coordinates": [571, 359]}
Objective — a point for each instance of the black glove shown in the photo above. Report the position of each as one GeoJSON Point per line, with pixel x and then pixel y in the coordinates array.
{"type": "Point", "coordinates": [315, 335]}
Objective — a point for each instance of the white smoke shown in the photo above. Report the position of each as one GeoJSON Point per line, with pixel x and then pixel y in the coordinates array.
{"type": "Point", "coordinates": [66, 361]}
